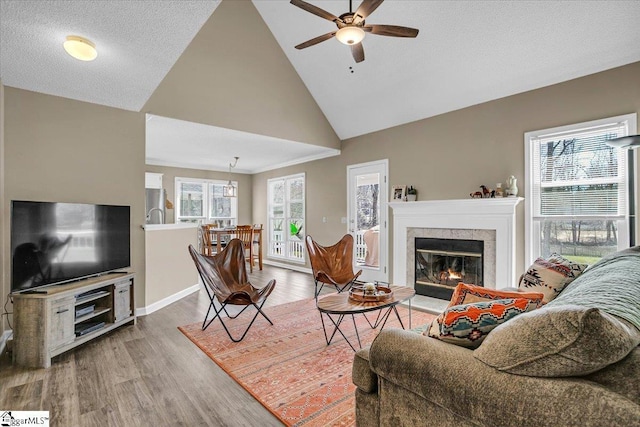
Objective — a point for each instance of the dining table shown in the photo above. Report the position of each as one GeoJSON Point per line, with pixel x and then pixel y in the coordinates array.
{"type": "Point", "coordinates": [219, 235]}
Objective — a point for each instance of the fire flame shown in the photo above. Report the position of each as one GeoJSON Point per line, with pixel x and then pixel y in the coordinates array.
{"type": "Point", "coordinates": [454, 275]}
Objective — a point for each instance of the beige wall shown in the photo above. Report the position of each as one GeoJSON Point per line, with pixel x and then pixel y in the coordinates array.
{"type": "Point", "coordinates": [58, 149]}
{"type": "Point", "coordinates": [448, 156]}
{"type": "Point", "coordinates": [245, 188]}
{"type": "Point", "coordinates": [235, 75]}
{"type": "Point", "coordinates": [169, 267]}
{"type": "Point", "coordinates": [4, 272]}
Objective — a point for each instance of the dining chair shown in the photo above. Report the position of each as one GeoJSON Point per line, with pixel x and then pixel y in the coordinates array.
{"type": "Point", "coordinates": [332, 265]}
{"type": "Point", "coordinates": [207, 244]}
{"type": "Point", "coordinates": [225, 279]}
{"type": "Point", "coordinates": [257, 245]}
{"type": "Point", "coordinates": [245, 233]}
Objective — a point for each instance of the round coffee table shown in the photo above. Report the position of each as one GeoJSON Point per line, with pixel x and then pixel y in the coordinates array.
{"type": "Point", "coordinates": [340, 305]}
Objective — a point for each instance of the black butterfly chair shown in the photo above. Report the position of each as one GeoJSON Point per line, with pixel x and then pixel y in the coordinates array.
{"type": "Point", "coordinates": [225, 279]}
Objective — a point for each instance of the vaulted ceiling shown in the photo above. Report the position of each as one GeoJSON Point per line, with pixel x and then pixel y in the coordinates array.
{"type": "Point", "coordinates": [466, 53]}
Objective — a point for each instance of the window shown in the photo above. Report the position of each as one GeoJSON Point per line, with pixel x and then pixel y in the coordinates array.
{"type": "Point", "coordinates": [578, 195]}
{"type": "Point", "coordinates": [201, 201]}
{"type": "Point", "coordinates": [286, 217]}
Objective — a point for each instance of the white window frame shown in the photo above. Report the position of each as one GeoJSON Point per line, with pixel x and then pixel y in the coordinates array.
{"type": "Point", "coordinates": [205, 218]}
{"type": "Point", "coordinates": [532, 229]}
{"type": "Point", "coordinates": [270, 236]}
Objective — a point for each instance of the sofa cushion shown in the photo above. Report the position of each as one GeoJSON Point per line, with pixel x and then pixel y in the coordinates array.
{"type": "Point", "coordinates": [612, 284]}
{"type": "Point", "coordinates": [465, 293]}
{"type": "Point", "coordinates": [468, 324]}
{"type": "Point", "coordinates": [558, 342]}
{"type": "Point", "coordinates": [550, 276]}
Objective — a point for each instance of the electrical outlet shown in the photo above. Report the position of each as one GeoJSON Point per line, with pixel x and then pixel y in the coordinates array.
{"type": "Point", "coordinates": [343, 220]}
{"type": "Point", "coordinates": [324, 219]}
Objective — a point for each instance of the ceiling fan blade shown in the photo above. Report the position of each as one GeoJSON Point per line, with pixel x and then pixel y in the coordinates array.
{"type": "Point", "coordinates": [316, 40]}
{"type": "Point", "coordinates": [315, 10]}
{"type": "Point", "coordinates": [391, 30]}
{"type": "Point", "coordinates": [358, 52]}
{"type": "Point", "coordinates": [366, 8]}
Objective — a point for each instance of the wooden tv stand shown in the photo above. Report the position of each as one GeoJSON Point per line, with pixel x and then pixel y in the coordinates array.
{"type": "Point", "coordinates": [59, 318]}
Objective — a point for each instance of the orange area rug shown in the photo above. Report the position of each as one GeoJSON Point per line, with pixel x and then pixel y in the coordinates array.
{"type": "Point", "coordinates": [288, 367]}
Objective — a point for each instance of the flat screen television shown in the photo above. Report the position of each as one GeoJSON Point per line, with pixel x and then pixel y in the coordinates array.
{"type": "Point", "coordinates": [53, 243]}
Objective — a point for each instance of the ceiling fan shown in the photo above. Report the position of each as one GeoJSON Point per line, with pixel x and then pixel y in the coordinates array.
{"type": "Point", "coordinates": [351, 26]}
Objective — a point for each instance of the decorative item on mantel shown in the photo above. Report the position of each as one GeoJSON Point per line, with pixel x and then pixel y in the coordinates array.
{"type": "Point", "coordinates": [486, 193]}
{"type": "Point", "coordinates": [499, 191]}
{"type": "Point", "coordinates": [398, 192]}
{"type": "Point", "coordinates": [412, 194]}
{"type": "Point", "coordinates": [512, 183]}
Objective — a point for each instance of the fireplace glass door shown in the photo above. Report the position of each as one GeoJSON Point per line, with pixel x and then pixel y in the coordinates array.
{"type": "Point", "coordinates": [443, 263]}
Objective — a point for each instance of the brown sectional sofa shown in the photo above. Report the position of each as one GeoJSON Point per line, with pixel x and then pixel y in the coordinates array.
{"type": "Point", "coordinates": [407, 379]}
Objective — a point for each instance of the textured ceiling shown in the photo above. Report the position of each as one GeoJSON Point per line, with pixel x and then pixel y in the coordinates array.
{"type": "Point", "coordinates": [467, 52]}
{"type": "Point", "coordinates": [138, 42]}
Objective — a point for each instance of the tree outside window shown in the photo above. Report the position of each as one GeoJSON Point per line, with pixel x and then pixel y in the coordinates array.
{"type": "Point", "coordinates": [578, 199]}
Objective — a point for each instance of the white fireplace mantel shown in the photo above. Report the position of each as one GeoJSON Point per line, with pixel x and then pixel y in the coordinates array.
{"type": "Point", "coordinates": [497, 214]}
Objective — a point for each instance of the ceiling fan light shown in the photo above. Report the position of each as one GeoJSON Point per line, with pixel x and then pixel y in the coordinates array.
{"type": "Point", "coordinates": [80, 48]}
{"type": "Point", "coordinates": [350, 35]}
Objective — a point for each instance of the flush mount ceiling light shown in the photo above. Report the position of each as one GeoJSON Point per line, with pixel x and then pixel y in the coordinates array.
{"type": "Point", "coordinates": [80, 48]}
{"type": "Point", "coordinates": [229, 190]}
{"type": "Point", "coordinates": [350, 35]}
{"type": "Point", "coordinates": [631, 141]}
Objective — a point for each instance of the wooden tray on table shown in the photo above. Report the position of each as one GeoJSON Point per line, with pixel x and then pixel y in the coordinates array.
{"type": "Point", "coordinates": [356, 293]}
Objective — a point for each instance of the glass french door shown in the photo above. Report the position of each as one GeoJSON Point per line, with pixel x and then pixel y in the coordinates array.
{"type": "Point", "coordinates": [367, 197]}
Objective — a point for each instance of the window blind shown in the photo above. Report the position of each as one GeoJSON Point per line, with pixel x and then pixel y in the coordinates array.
{"type": "Point", "coordinates": [576, 175]}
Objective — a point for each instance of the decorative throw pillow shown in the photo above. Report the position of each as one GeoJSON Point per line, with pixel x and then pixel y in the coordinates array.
{"type": "Point", "coordinates": [559, 342]}
{"type": "Point", "coordinates": [550, 276]}
{"type": "Point", "coordinates": [467, 325]}
{"type": "Point", "coordinates": [465, 293]}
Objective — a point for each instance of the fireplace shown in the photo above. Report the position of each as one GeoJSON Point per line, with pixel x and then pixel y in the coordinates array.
{"type": "Point", "coordinates": [440, 264]}
{"type": "Point", "coordinates": [492, 221]}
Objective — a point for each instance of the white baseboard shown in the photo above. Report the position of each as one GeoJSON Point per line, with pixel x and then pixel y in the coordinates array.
{"type": "Point", "coordinates": [3, 340]}
{"type": "Point", "coordinates": [143, 311]}
{"type": "Point", "coordinates": [288, 266]}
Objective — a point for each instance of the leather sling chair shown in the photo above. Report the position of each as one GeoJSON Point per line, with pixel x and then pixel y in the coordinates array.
{"type": "Point", "coordinates": [225, 279]}
{"type": "Point", "coordinates": [332, 265]}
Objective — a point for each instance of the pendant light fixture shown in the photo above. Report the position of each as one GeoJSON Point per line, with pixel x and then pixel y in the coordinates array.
{"type": "Point", "coordinates": [230, 190]}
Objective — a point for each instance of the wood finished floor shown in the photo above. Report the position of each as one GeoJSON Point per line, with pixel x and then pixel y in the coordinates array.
{"type": "Point", "coordinates": [148, 374]}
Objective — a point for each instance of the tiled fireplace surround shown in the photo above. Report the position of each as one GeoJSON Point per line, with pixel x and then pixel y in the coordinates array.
{"type": "Point", "coordinates": [490, 220]}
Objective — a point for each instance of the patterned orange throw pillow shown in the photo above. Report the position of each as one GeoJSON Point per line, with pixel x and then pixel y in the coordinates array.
{"type": "Point", "coordinates": [465, 293]}
{"type": "Point", "coordinates": [467, 325]}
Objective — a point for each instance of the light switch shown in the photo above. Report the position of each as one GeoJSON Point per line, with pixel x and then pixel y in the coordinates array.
{"type": "Point", "coordinates": [324, 219]}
